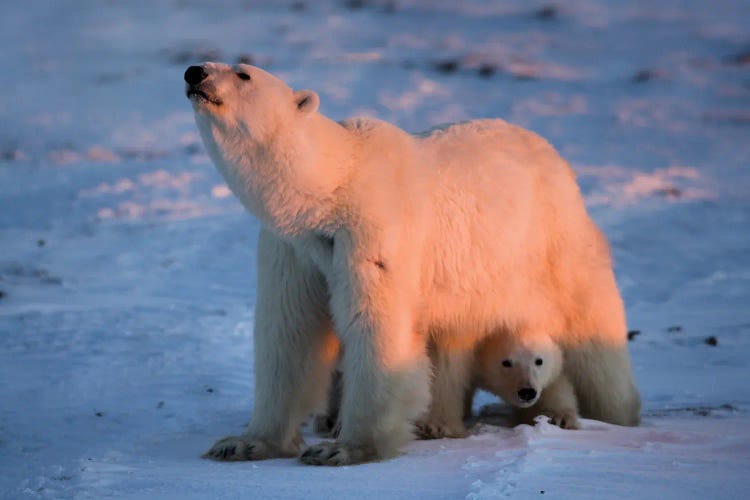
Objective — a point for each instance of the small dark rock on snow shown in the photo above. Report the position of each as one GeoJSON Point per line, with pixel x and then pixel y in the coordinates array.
{"type": "Point", "coordinates": [643, 76]}
{"type": "Point", "coordinates": [355, 4]}
{"type": "Point", "coordinates": [390, 7]}
{"type": "Point", "coordinates": [486, 70]}
{"type": "Point", "coordinates": [11, 155]}
{"type": "Point", "coordinates": [741, 58]}
{"type": "Point", "coordinates": [633, 334]}
{"type": "Point", "coordinates": [670, 192]}
{"type": "Point", "coordinates": [193, 148]}
{"type": "Point", "coordinates": [447, 66]}
{"type": "Point", "coordinates": [713, 341]}
{"type": "Point", "coordinates": [546, 13]}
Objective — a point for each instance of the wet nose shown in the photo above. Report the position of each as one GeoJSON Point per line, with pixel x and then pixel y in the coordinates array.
{"type": "Point", "coordinates": [195, 74]}
{"type": "Point", "coordinates": [527, 394]}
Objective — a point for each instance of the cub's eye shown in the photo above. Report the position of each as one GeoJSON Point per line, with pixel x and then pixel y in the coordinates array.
{"type": "Point", "coordinates": [243, 76]}
{"type": "Point", "coordinates": [538, 362]}
{"type": "Point", "coordinates": [507, 363]}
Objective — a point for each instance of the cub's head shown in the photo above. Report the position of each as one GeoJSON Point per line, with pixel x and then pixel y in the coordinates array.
{"type": "Point", "coordinates": [245, 100]}
{"type": "Point", "coordinates": [518, 370]}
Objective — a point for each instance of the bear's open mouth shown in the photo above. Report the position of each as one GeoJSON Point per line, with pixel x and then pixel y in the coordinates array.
{"type": "Point", "coordinates": [199, 94]}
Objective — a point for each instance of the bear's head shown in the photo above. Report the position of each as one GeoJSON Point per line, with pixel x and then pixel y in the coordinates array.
{"type": "Point", "coordinates": [279, 156]}
{"type": "Point", "coordinates": [519, 369]}
{"type": "Point", "coordinates": [246, 99]}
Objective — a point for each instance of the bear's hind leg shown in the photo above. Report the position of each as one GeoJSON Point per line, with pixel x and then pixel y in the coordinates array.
{"type": "Point", "coordinates": [603, 381]}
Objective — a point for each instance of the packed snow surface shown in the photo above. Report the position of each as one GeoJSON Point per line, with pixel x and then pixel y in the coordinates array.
{"type": "Point", "coordinates": [127, 271]}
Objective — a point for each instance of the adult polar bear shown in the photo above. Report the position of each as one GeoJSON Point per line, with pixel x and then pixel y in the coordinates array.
{"type": "Point", "coordinates": [383, 243]}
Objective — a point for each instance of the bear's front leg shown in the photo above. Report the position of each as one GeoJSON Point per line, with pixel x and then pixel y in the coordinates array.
{"type": "Point", "coordinates": [385, 366]}
{"type": "Point", "coordinates": [295, 353]}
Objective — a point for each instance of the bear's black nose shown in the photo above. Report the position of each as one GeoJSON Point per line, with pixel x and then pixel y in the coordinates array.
{"type": "Point", "coordinates": [527, 394]}
{"type": "Point", "coordinates": [195, 74]}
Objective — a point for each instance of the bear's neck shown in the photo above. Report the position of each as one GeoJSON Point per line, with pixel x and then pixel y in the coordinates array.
{"type": "Point", "coordinates": [291, 181]}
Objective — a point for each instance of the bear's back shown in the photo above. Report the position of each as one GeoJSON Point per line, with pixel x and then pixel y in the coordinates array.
{"type": "Point", "coordinates": [492, 142]}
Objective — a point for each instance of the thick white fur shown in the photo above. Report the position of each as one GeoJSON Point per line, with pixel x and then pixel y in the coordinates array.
{"type": "Point", "coordinates": [507, 364]}
{"type": "Point", "coordinates": [393, 241]}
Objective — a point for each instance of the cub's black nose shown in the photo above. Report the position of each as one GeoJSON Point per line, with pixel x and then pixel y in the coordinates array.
{"type": "Point", "coordinates": [527, 394]}
{"type": "Point", "coordinates": [195, 74]}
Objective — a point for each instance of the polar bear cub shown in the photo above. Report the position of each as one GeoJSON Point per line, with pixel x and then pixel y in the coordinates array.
{"type": "Point", "coordinates": [527, 372]}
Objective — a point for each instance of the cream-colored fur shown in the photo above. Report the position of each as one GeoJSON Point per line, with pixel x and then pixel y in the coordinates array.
{"type": "Point", "coordinates": [393, 241]}
{"type": "Point", "coordinates": [527, 372]}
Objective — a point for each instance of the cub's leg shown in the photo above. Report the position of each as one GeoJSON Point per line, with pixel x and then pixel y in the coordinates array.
{"type": "Point", "coordinates": [295, 353]}
{"type": "Point", "coordinates": [452, 394]}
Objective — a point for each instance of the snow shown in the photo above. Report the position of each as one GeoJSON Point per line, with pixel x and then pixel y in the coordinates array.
{"type": "Point", "coordinates": [127, 271]}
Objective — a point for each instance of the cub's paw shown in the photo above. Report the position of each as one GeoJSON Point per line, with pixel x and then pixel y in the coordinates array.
{"type": "Point", "coordinates": [565, 420]}
{"type": "Point", "coordinates": [439, 430]}
{"type": "Point", "coordinates": [238, 448]}
{"type": "Point", "coordinates": [336, 453]}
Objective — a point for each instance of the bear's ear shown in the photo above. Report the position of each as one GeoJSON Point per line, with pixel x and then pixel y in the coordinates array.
{"type": "Point", "coordinates": [307, 101]}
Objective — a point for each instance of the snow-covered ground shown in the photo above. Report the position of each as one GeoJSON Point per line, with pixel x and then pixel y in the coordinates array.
{"type": "Point", "coordinates": [127, 271]}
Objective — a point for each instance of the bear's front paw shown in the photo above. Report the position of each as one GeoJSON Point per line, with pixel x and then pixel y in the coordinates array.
{"type": "Point", "coordinates": [336, 453]}
{"type": "Point", "coordinates": [565, 420]}
{"type": "Point", "coordinates": [438, 430]}
{"type": "Point", "coordinates": [239, 448]}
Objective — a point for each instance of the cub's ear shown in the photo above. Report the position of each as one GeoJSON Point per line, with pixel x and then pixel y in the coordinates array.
{"type": "Point", "coordinates": [307, 101]}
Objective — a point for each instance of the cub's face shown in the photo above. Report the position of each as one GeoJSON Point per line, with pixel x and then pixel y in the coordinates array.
{"type": "Point", "coordinates": [519, 373]}
{"type": "Point", "coordinates": [243, 102]}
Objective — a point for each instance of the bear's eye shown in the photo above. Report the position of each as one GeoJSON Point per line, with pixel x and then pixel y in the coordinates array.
{"type": "Point", "coordinates": [243, 76]}
{"type": "Point", "coordinates": [507, 363]}
{"type": "Point", "coordinates": [538, 362]}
